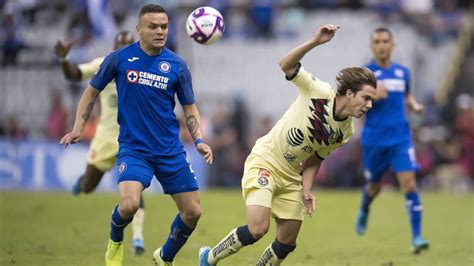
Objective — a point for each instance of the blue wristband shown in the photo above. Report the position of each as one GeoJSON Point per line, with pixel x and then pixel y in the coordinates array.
{"type": "Point", "coordinates": [197, 141]}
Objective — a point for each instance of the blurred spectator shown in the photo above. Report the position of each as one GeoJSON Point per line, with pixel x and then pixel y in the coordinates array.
{"type": "Point", "coordinates": [57, 118]}
{"type": "Point", "coordinates": [12, 128]}
{"type": "Point", "coordinates": [11, 30]}
{"type": "Point", "coordinates": [261, 16]}
{"type": "Point", "coordinates": [387, 10]}
{"type": "Point", "coordinates": [465, 127]}
{"type": "Point", "coordinates": [447, 21]}
{"type": "Point", "coordinates": [419, 13]}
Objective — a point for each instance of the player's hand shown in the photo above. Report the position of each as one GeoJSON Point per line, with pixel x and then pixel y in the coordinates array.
{"type": "Point", "coordinates": [61, 49]}
{"type": "Point", "coordinates": [205, 151]}
{"type": "Point", "coordinates": [309, 203]}
{"type": "Point", "coordinates": [70, 138]}
{"type": "Point", "coordinates": [381, 91]}
{"type": "Point", "coordinates": [325, 33]}
{"type": "Point", "coordinates": [418, 108]}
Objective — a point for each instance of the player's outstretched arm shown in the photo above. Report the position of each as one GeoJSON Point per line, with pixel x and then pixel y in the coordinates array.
{"type": "Point", "coordinates": [310, 169]}
{"type": "Point", "coordinates": [71, 71]}
{"type": "Point", "coordinates": [193, 120]}
{"type": "Point", "coordinates": [290, 60]}
{"type": "Point", "coordinates": [84, 109]}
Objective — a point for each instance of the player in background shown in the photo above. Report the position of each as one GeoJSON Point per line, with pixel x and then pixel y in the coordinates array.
{"type": "Point", "coordinates": [148, 76]}
{"type": "Point", "coordinates": [104, 146]}
{"type": "Point", "coordinates": [279, 172]}
{"type": "Point", "coordinates": [386, 137]}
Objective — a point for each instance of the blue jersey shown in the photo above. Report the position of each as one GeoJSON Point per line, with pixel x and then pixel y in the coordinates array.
{"type": "Point", "coordinates": [386, 123]}
{"type": "Point", "coordinates": [146, 88]}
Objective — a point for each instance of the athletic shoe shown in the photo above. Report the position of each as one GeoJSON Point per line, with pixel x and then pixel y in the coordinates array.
{"type": "Point", "coordinates": [203, 255]}
{"type": "Point", "coordinates": [114, 254]}
{"type": "Point", "coordinates": [361, 224]}
{"type": "Point", "coordinates": [158, 260]}
{"type": "Point", "coordinates": [419, 244]}
{"type": "Point", "coordinates": [138, 246]}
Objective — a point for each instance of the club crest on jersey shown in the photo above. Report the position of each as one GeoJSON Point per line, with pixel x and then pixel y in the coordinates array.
{"type": "Point", "coordinates": [399, 73]}
{"type": "Point", "coordinates": [165, 67]}
{"type": "Point", "coordinates": [132, 76]}
{"type": "Point", "coordinates": [122, 167]}
{"type": "Point", "coordinates": [289, 156]}
{"type": "Point", "coordinates": [377, 73]}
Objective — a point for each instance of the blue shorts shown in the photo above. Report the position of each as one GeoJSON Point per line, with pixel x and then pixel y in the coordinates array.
{"type": "Point", "coordinates": [377, 159]}
{"type": "Point", "coordinates": [174, 173]}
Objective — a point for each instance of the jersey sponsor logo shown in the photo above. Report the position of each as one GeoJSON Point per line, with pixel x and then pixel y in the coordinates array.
{"type": "Point", "coordinates": [289, 156]}
{"type": "Point", "coordinates": [132, 76]}
{"type": "Point", "coordinates": [395, 85]}
{"type": "Point", "coordinates": [133, 59]}
{"type": "Point", "coordinates": [294, 137]}
{"type": "Point", "coordinates": [377, 73]}
{"type": "Point", "coordinates": [122, 167]}
{"type": "Point", "coordinates": [320, 130]}
{"type": "Point", "coordinates": [148, 79]}
{"type": "Point", "coordinates": [307, 149]}
{"type": "Point", "coordinates": [165, 67]}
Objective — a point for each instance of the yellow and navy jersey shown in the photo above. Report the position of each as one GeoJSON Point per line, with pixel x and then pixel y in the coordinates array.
{"type": "Point", "coordinates": [308, 127]}
{"type": "Point", "coordinates": [108, 127]}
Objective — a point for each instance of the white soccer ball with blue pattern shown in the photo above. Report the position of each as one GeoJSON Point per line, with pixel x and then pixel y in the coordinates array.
{"type": "Point", "coordinates": [205, 25]}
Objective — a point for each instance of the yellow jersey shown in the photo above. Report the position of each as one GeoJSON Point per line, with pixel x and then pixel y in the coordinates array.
{"type": "Point", "coordinates": [308, 127]}
{"type": "Point", "coordinates": [108, 127]}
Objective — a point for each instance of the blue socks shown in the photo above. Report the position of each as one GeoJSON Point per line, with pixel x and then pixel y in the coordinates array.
{"type": "Point", "coordinates": [366, 200]}
{"type": "Point", "coordinates": [117, 225]}
{"type": "Point", "coordinates": [180, 232]}
{"type": "Point", "coordinates": [414, 209]}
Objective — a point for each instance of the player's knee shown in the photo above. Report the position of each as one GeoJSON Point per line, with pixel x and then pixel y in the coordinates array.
{"type": "Point", "coordinates": [129, 206]}
{"type": "Point", "coordinates": [192, 215]}
{"type": "Point", "coordinates": [258, 230]}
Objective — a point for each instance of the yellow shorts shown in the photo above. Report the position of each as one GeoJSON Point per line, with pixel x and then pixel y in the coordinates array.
{"type": "Point", "coordinates": [103, 154]}
{"type": "Point", "coordinates": [286, 201]}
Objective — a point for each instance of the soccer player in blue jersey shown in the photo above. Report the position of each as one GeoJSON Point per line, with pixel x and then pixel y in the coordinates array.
{"type": "Point", "coordinates": [386, 137]}
{"type": "Point", "coordinates": [148, 76]}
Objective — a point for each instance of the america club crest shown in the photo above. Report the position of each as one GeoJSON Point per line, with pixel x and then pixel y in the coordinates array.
{"type": "Point", "coordinates": [165, 67]}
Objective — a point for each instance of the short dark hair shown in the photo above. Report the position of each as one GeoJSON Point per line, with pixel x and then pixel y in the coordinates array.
{"type": "Point", "coordinates": [353, 78]}
{"type": "Point", "coordinates": [151, 8]}
{"type": "Point", "coordinates": [382, 29]}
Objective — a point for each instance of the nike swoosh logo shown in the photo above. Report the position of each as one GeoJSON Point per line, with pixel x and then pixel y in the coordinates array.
{"type": "Point", "coordinates": [133, 59]}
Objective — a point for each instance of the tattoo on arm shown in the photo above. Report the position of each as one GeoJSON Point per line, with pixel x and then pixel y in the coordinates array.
{"type": "Point", "coordinates": [193, 125]}
{"type": "Point", "coordinates": [87, 113]}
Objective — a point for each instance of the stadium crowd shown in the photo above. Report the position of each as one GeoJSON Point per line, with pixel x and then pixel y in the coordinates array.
{"type": "Point", "coordinates": [444, 140]}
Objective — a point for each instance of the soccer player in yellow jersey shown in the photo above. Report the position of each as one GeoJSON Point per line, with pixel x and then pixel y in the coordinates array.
{"type": "Point", "coordinates": [279, 172]}
{"type": "Point", "coordinates": [104, 146]}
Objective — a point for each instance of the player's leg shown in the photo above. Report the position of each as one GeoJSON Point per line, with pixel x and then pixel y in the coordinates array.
{"type": "Point", "coordinates": [88, 181]}
{"type": "Point", "coordinates": [288, 208]}
{"type": "Point", "coordinates": [183, 188]}
{"type": "Point", "coordinates": [137, 228]}
{"type": "Point", "coordinates": [135, 174]}
{"type": "Point", "coordinates": [122, 215]}
{"type": "Point", "coordinates": [258, 223]}
{"type": "Point", "coordinates": [285, 242]}
{"type": "Point", "coordinates": [405, 166]}
{"type": "Point", "coordinates": [375, 161]}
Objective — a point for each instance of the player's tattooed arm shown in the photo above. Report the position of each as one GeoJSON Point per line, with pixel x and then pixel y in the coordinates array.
{"type": "Point", "coordinates": [84, 108]}
{"type": "Point", "coordinates": [193, 119]}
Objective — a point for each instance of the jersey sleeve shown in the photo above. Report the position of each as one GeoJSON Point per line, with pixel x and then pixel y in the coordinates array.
{"type": "Point", "coordinates": [307, 84]}
{"type": "Point", "coordinates": [88, 69]}
{"type": "Point", "coordinates": [185, 86]}
{"type": "Point", "coordinates": [106, 72]}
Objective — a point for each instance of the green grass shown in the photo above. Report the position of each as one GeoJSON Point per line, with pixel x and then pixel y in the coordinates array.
{"type": "Point", "coordinates": [59, 229]}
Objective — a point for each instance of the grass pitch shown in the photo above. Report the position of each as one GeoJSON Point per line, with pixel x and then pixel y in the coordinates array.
{"type": "Point", "coordinates": [47, 228]}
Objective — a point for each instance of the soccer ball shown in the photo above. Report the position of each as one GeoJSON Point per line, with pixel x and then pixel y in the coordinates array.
{"type": "Point", "coordinates": [205, 25]}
